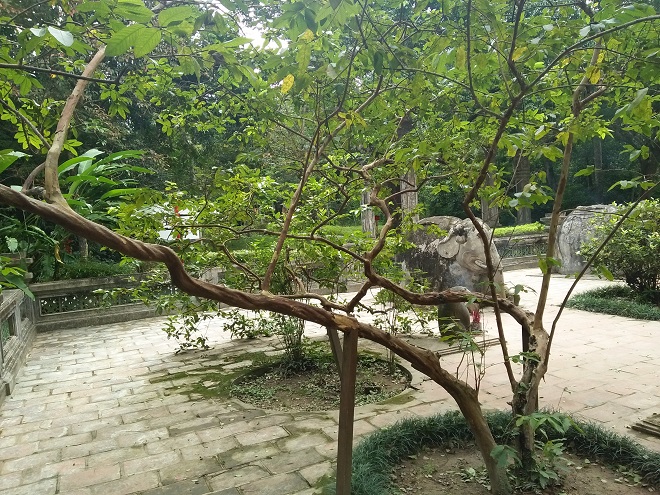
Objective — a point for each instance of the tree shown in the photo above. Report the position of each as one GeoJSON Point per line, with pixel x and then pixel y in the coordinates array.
{"type": "Point", "coordinates": [481, 78]}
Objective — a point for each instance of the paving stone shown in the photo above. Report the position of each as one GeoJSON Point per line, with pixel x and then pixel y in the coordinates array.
{"type": "Point", "coordinates": [42, 472]}
{"type": "Point", "coordinates": [228, 491]}
{"type": "Point", "coordinates": [302, 441]}
{"type": "Point", "coordinates": [10, 480]}
{"type": "Point", "coordinates": [209, 449]}
{"type": "Point", "coordinates": [262, 435]}
{"type": "Point", "coordinates": [127, 485]}
{"type": "Point", "coordinates": [291, 461]}
{"type": "Point", "coordinates": [184, 470]}
{"type": "Point", "coordinates": [137, 438]}
{"type": "Point", "coordinates": [44, 487]}
{"type": "Point", "coordinates": [31, 461]}
{"type": "Point", "coordinates": [87, 477]}
{"type": "Point", "coordinates": [193, 425]}
{"type": "Point", "coordinates": [90, 448]}
{"type": "Point", "coordinates": [150, 463]}
{"type": "Point", "coordinates": [244, 455]}
{"type": "Point", "coordinates": [196, 487]}
{"type": "Point", "coordinates": [314, 473]}
{"type": "Point", "coordinates": [115, 456]}
{"type": "Point", "coordinates": [169, 444]}
{"type": "Point", "coordinates": [237, 477]}
{"type": "Point", "coordinates": [65, 441]}
{"type": "Point", "coordinates": [280, 484]}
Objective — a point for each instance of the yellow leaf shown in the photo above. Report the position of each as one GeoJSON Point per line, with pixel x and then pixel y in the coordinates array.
{"type": "Point", "coordinates": [57, 253]}
{"type": "Point", "coordinates": [308, 35]}
{"type": "Point", "coordinates": [518, 52]}
{"type": "Point", "coordinates": [595, 75]}
{"type": "Point", "coordinates": [287, 84]}
{"type": "Point", "coordinates": [460, 57]}
{"type": "Point", "coordinates": [601, 56]}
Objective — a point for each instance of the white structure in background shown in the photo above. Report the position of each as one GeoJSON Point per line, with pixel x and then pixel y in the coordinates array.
{"type": "Point", "coordinates": [170, 234]}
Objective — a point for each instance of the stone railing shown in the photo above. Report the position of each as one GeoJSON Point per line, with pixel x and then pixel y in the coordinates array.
{"type": "Point", "coordinates": [17, 330]}
{"type": "Point", "coordinates": [521, 251]}
{"type": "Point", "coordinates": [83, 302]}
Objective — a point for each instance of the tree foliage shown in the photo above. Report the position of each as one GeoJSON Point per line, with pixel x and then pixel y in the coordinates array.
{"type": "Point", "coordinates": [632, 252]}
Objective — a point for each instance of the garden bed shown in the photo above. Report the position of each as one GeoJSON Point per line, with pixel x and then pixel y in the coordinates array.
{"type": "Point", "coordinates": [315, 384]}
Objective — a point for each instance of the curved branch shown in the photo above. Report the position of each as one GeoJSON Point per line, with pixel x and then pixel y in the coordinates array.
{"type": "Point", "coordinates": [81, 77]}
{"type": "Point", "coordinates": [51, 175]}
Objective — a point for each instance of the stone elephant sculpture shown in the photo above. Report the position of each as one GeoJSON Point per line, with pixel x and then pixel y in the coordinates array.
{"type": "Point", "coordinates": [454, 260]}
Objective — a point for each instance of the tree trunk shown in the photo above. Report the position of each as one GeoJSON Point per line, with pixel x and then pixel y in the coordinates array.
{"type": "Point", "coordinates": [522, 174]}
{"type": "Point", "coordinates": [368, 216]}
{"type": "Point", "coordinates": [499, 480]}
{"type": "Point", "coordinates": [84, 248]}
{"type": "Point", "coordinates": [598, 166]}
{"type": "Point", "coordinates": [409, 200]}
{"type": "Point", "coordinates": [490, 214]}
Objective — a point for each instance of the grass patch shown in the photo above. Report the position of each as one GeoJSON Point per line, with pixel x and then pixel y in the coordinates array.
{"type": "Point", "coordinates": [618, 300]}
{"type": "Point", "coordinates": [376, 455]}
{"type": "Point", "coordinates": [528, 228]}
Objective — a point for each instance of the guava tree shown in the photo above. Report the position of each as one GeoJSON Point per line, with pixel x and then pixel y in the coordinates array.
{"type": "Point", "coordinates": [352, 101]}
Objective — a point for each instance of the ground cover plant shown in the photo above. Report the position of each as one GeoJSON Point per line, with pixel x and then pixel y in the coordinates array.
{"type": "Point", "coordinates": [378, 455]}
{"type": "Point", "coordinates": [347, 109]}
{"type": "Point", "coordinates": [616, 300]}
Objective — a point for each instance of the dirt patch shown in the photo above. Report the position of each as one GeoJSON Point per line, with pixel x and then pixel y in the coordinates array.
{"type": "Point", "coordinates": [316, 386]}
{"type": "Point", "coordinates": [461, 472]}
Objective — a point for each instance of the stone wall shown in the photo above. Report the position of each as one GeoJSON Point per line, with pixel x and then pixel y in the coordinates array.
{"type": "Point", "coordinates": [18, 331]}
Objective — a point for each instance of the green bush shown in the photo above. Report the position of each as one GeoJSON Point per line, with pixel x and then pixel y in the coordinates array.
{"type": "Point", "coordinates": [616, 300]}
{"type": "Point", "coordinates": [91, 269]}
{"type": "Point", "coordinates": [633, 252]}
{"type": "Point", "coordinates": [528, 228]}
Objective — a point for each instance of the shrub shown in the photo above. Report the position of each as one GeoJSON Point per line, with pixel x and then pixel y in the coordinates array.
{"type": "Point", "coordinates": [528, 228]}
{"type": "Point", "coordinates": [632, 253]}
{"type": "Point", "coordinates": [91, 269]}
{"type": "Point", "coordinates": [616, 300]}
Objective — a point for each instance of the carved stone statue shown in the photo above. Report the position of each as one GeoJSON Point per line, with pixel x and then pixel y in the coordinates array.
{"type": "Point", "coordinates": [577, 228]}
{"type": "Point", "coordinates": [455, 259]}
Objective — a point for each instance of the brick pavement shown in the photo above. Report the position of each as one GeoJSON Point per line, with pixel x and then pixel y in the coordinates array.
{"type": "Point", "coordinates": [94, 411]}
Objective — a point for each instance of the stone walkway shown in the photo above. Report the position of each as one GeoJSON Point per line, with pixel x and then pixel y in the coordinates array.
{"type": "Point", "coordinates": [99, 410]}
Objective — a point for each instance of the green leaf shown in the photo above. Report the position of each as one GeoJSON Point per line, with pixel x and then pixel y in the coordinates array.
{"type": "Point", "coordinates": [18, 282]}
{"type": "Point", "coordinates": [39, 32]}
{"type": "Point", "coordinates": [123, 40]}
{"type": "Point", "coordinates": [130, 191]}
{"type": "Point", "coordinates": [585, 171]}
{"type": "Point", "coordinates": [501, 454]}
{"type": "Point", "coordinates": [134, 10]}
{"type": "Point", "coordinates": [606, 273]}
{"type": "Point", "coordinates": [335, 4]}
{"type": "Point", "coordinates": [585, 30]}
{"type": "Point", "coordinates": [639, 96]}
{"type": "Point", "coordinates": [12, 244]}
{"type": "Point", "coordinates": [64, 37]}
{"type": "Point", "coordinates": [7, 157]}
{"type": "Point", "coordinates": [236, 42]}
{"type": "Point", "coordinates": [149, 39]}
{"type": "Point", "coordinates": [378, 62]}
{"type": "Point", "coordinates": [175, 15]}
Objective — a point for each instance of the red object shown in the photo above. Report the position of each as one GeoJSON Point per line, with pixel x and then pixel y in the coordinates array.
{"type": "Point", "coordinates": [476, 316]}
{"type": "Point", "coordinates": [377, 217]}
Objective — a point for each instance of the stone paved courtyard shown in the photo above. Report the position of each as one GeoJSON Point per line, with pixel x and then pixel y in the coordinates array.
{"type": "Point", "coordinates": [99, 410]}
